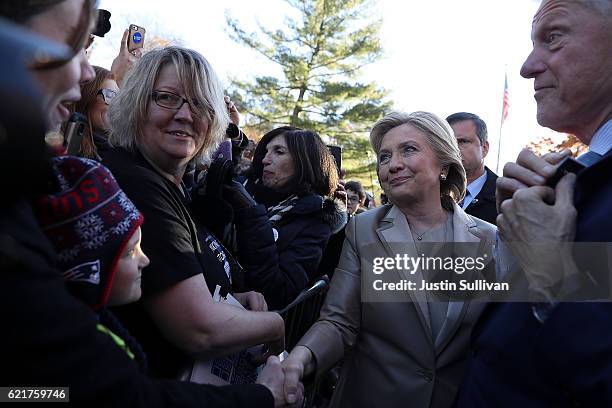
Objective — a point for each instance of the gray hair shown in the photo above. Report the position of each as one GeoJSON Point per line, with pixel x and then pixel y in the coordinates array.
{"type": "Point", "coordinates": [440, 138]}
{"type": "Point", "coordinates": [129, 110]}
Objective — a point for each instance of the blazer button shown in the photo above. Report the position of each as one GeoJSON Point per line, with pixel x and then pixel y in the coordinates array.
{"type": "Point", "coordinates": [427, 375]}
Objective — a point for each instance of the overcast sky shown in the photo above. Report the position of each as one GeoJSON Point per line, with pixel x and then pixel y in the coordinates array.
{"type": "Point", "coordinates": [441, 56]}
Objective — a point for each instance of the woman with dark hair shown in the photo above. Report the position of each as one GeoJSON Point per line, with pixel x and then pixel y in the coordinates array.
{"type": "Point", "coordinates": [96, 96]}
{"type": "Point", "coordinates": [292, 179]}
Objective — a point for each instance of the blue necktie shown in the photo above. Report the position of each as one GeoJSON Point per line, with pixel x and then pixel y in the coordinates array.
{"type": "Point", "coordinates": [589, 158]}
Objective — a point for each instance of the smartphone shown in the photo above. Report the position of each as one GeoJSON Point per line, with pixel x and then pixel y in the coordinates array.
{"type": "Point", "coordinates": [73, 135]}
{"type": "Point", "coordinates": [567, 165]}
{"type": "Point", "coordinates": [136, 37]}
{"type": "Point", "coordinates": [336, 151]}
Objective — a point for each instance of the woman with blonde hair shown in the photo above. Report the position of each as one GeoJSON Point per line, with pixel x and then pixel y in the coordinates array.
{"type": "Point", "coordinates": [171, 111]}
{"type": "Point", "coordinates": [405, 347]}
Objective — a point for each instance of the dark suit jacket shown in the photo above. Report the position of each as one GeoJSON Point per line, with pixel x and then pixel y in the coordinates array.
{"type": "Point", "coordinates": [483, 206]}
{"type": "Point", "coordinates": [567, 361]}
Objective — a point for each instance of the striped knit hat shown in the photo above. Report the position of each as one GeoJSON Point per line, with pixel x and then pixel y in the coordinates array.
{"type": "Point", "coordinates": [89, 221]}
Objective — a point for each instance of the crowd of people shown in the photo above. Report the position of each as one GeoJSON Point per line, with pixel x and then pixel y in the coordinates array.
{"type": "Point", "coordinates": [117, 263]}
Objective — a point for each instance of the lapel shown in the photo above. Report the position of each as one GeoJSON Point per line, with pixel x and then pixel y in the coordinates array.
{"type": "Point", "coordinates": [464, 230]}
{"type": "Point", "coordinates": [586, 181]}
{"type": "Point", "coordinates": [487, 193]}
{"type": "Point", "coordinates": [395, 236]}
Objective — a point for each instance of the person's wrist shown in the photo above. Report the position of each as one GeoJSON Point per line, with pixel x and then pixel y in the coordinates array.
{"type": "Point", "coordinates": [303, 355]}
{"type": "Point", "coordinates": [232, 131]}
{"type": "Point", "coordinates": [280, 327]}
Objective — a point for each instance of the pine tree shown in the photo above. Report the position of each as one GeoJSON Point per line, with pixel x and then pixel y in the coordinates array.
{"type": "Point", "coordinates": [321, 54]}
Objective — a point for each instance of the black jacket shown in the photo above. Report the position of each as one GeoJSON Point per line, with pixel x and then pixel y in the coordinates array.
{"type": "Point", "coordinates": [50, 338]}
{"type": "Point", "coordinates": [483, 205]}
{"type": "Point", "coordinates": [281, 268]}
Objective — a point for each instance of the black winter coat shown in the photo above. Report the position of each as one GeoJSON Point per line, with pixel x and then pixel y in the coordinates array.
{"type": "Point", "coordinates": [280, 264]}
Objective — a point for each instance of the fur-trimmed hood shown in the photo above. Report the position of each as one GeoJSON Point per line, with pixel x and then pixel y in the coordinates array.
{"type": "Point", "coordinates": [331, 210]}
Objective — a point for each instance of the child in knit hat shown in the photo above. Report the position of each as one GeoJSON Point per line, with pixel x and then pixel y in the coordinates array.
{"type": "Point", "coordinates": [95, 230]}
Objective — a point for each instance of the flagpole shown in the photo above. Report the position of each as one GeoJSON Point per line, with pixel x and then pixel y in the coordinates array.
{"type": "Point", "coordinates": [501, 123]}
{"type": "Point", "coordinates": [504, 113]}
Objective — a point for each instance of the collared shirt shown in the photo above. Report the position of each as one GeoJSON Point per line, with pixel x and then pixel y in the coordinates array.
{"type": "Point", "coordinates": [601, 142]}
{"type": "Point", "coordinates": [473, 189]}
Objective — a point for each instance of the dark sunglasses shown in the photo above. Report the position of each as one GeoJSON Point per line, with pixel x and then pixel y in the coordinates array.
{"type": "Point", "coordinates": [107, 95]}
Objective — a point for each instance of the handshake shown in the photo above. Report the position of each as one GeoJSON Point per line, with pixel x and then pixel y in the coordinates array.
{"type": "Point", "coordinates": [284, 379]}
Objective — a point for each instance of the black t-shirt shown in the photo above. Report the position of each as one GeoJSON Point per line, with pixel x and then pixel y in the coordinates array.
{"type": "Point", "coordinates": [177, 249]}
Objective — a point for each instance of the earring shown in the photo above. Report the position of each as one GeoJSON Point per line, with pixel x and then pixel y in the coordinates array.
{"type": "Point", "coordinates": [443, 177]}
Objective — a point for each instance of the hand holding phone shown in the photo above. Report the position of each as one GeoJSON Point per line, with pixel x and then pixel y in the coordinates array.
{"type": "Point", "coordinates": [75, 130]}
{"type": "Point", "coordinates": [136, 37]}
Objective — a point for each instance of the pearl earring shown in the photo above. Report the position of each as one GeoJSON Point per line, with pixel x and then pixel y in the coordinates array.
{"type": "Point", "coordinates": [443, 177]}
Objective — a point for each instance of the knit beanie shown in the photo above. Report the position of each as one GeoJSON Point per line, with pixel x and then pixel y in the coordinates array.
{"type": "Point", "coordinates": [89, 221]}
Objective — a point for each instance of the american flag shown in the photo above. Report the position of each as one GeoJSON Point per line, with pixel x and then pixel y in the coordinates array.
{"type": "Point", "coordinates": [506, 104]}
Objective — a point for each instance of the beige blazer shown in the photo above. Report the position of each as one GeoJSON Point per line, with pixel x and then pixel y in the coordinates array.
{"type": "Point", "coordinates": [391, 359]}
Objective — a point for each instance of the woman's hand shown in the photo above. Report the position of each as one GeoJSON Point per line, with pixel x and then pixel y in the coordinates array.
{"type": "Point", "coordinates": [219, 173]}
{"type": "Point", "coordinates": [272, 377]}
{"type": "Point", "coordinates": [296, 367]}
{"type": "Point", "coordinates": [254, 301]}
{"type": "Point", "coordinates": [232, 111]}
{"type": "Point", "coordinates": [341, 195]}
{"type": "Point", "coordinates": [236, 195]}
{"type": "Point", "coordinates": [125, 60]}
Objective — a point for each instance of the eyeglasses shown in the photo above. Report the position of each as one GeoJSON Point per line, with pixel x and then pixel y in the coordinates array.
{"type": "Point", "coordinates": [173, 101]}
{"type": "Point", "coordinates": [107, 94]}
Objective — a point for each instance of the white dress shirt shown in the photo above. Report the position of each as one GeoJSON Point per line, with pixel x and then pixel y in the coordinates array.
{"type": "Point", "coordinates": [473, 189]}
{"type": "Point", "coordinates": [601, 143]}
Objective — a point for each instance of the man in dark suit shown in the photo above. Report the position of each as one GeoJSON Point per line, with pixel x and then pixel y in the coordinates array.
{"type": "Point", "coordinates": [550, 353]}
{"type": "Point", "coordinates": [471, 133]}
